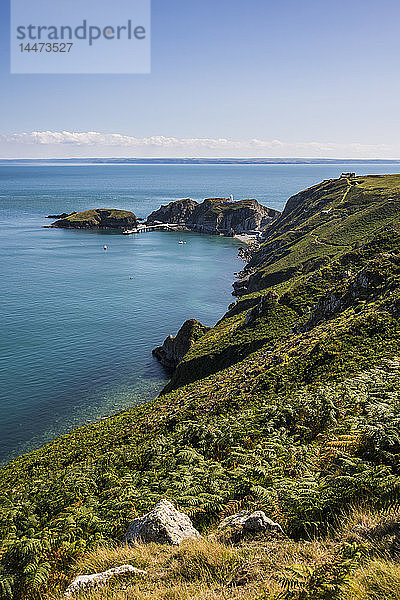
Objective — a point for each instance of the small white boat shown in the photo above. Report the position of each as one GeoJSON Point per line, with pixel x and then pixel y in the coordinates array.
{"type": "Point", "coordinates": [105, 247]}
{"type": "Point", "coordinates": [181, 242]}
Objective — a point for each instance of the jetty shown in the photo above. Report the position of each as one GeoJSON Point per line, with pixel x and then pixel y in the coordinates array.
{"type": "Point", "coordinates": [156, 227]}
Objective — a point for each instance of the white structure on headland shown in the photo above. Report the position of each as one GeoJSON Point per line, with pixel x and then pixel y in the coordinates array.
{"type": "Point", "coordinates": [347, 175]}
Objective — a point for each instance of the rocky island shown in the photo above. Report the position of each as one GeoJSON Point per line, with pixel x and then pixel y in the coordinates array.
{"type": "Point", "coordinates": [98, 218]}
{"type": "Point", "coordinates": [217, 216]}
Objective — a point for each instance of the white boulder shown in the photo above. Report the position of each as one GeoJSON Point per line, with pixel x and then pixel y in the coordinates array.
{"type": "Point", "coordinates": [87, 582]}
{"type": "Point", "coordinates": [246, 523]}
{"type": "Point", "coordinates": [162, 525]}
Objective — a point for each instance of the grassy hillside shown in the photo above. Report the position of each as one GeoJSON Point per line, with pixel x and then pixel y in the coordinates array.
{"type": "Point", "coordinates": [321, 223]}
{"type": "Point", "coordinates": [290, 404]}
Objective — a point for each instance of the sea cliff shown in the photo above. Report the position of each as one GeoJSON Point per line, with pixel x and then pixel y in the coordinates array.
{"type": "Point", "coordinates": [216, 215]}
{"type": "Point", "coordinates": [174, 349]}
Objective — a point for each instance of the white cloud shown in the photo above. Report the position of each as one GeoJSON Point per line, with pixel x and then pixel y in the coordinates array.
{"type": "Point", "coordinates": [91, 143]}
{"type": "Point", "coordinates": [93, 138]}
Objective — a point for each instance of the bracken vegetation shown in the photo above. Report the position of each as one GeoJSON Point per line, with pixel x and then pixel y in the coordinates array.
{"type": "Point", "coordinates": [290, 404]}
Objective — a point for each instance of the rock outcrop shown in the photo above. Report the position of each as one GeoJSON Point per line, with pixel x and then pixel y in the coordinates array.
{"type": "Point", "coordinates": [85, 583]}
{"type": "Point", "coordinates": [178, 212]}
{"type": "Point", "coordinates": [364, 285]}
{"type": "Point", "coordinates": [98, 218]}
{"type": "Point", "coordinates": [247, 523]}
{"type": "Point", "coordinates": [174, 349]}
{"type": "Point", "coordinates": [262, 308]}
{"type": "Point", "coordinates": [216, 215]}
{"type": "Point", "coordinates": [162, 525]}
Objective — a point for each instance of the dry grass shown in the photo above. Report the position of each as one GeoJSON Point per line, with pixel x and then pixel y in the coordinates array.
{"type": "Point", "coordinates": [207, 569]}
{"type": "Point", "coordinates": [378, 580]}
{"type": "Point", "coordinates": [374, 529]}
{"type": "Point", "coordinates": [200, 569]}
{"type": "Point", "coordinates": [365, 518]}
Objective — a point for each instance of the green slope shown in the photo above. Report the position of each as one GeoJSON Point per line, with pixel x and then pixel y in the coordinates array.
{"type": "Point", "coordinates": [289, 404]}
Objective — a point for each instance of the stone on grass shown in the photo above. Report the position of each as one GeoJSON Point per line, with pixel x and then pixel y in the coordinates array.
{"type": "Point", "coordinates": [85, 583]}
{"type": "Point", "coordinates": [246, 523]}
{"type": "Point", "coordinates": [162, 525]}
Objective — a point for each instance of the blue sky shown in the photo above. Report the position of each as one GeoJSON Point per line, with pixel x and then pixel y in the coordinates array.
{"type": "Point", "coordinates": [229, 78]}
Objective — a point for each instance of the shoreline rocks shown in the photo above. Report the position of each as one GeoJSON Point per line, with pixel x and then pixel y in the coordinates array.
{"type": "Point", "coordinates": [246, 253]}
{"type": "Point", "coordinates": [174, 349]}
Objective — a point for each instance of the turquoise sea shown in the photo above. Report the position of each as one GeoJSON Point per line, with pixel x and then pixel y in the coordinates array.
{"type": "Point", "coordinates": [76, 331]}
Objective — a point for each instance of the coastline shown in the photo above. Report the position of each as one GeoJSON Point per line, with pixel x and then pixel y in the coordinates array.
{"type": "Point", "coordinates": [280, 360]}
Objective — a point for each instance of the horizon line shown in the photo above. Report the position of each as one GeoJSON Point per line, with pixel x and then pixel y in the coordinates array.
{"type": "Point", "coordinates": [205, 159]}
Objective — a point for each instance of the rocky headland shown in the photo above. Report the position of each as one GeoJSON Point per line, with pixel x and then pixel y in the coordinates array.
{"type": "Point", "coordinates": [98, 218]}
{"type": "Point", "coordinates": [217, 216]}
{"type": "Point", "coordinates": [174, 349]}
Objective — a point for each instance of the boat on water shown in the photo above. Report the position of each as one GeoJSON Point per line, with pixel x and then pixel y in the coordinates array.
{"type": "Point", "coordinates": [105, 247]}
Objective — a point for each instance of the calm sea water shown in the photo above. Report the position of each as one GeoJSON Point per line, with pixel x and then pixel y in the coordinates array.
{"type": "Point", "coordinates": [77, 332]}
